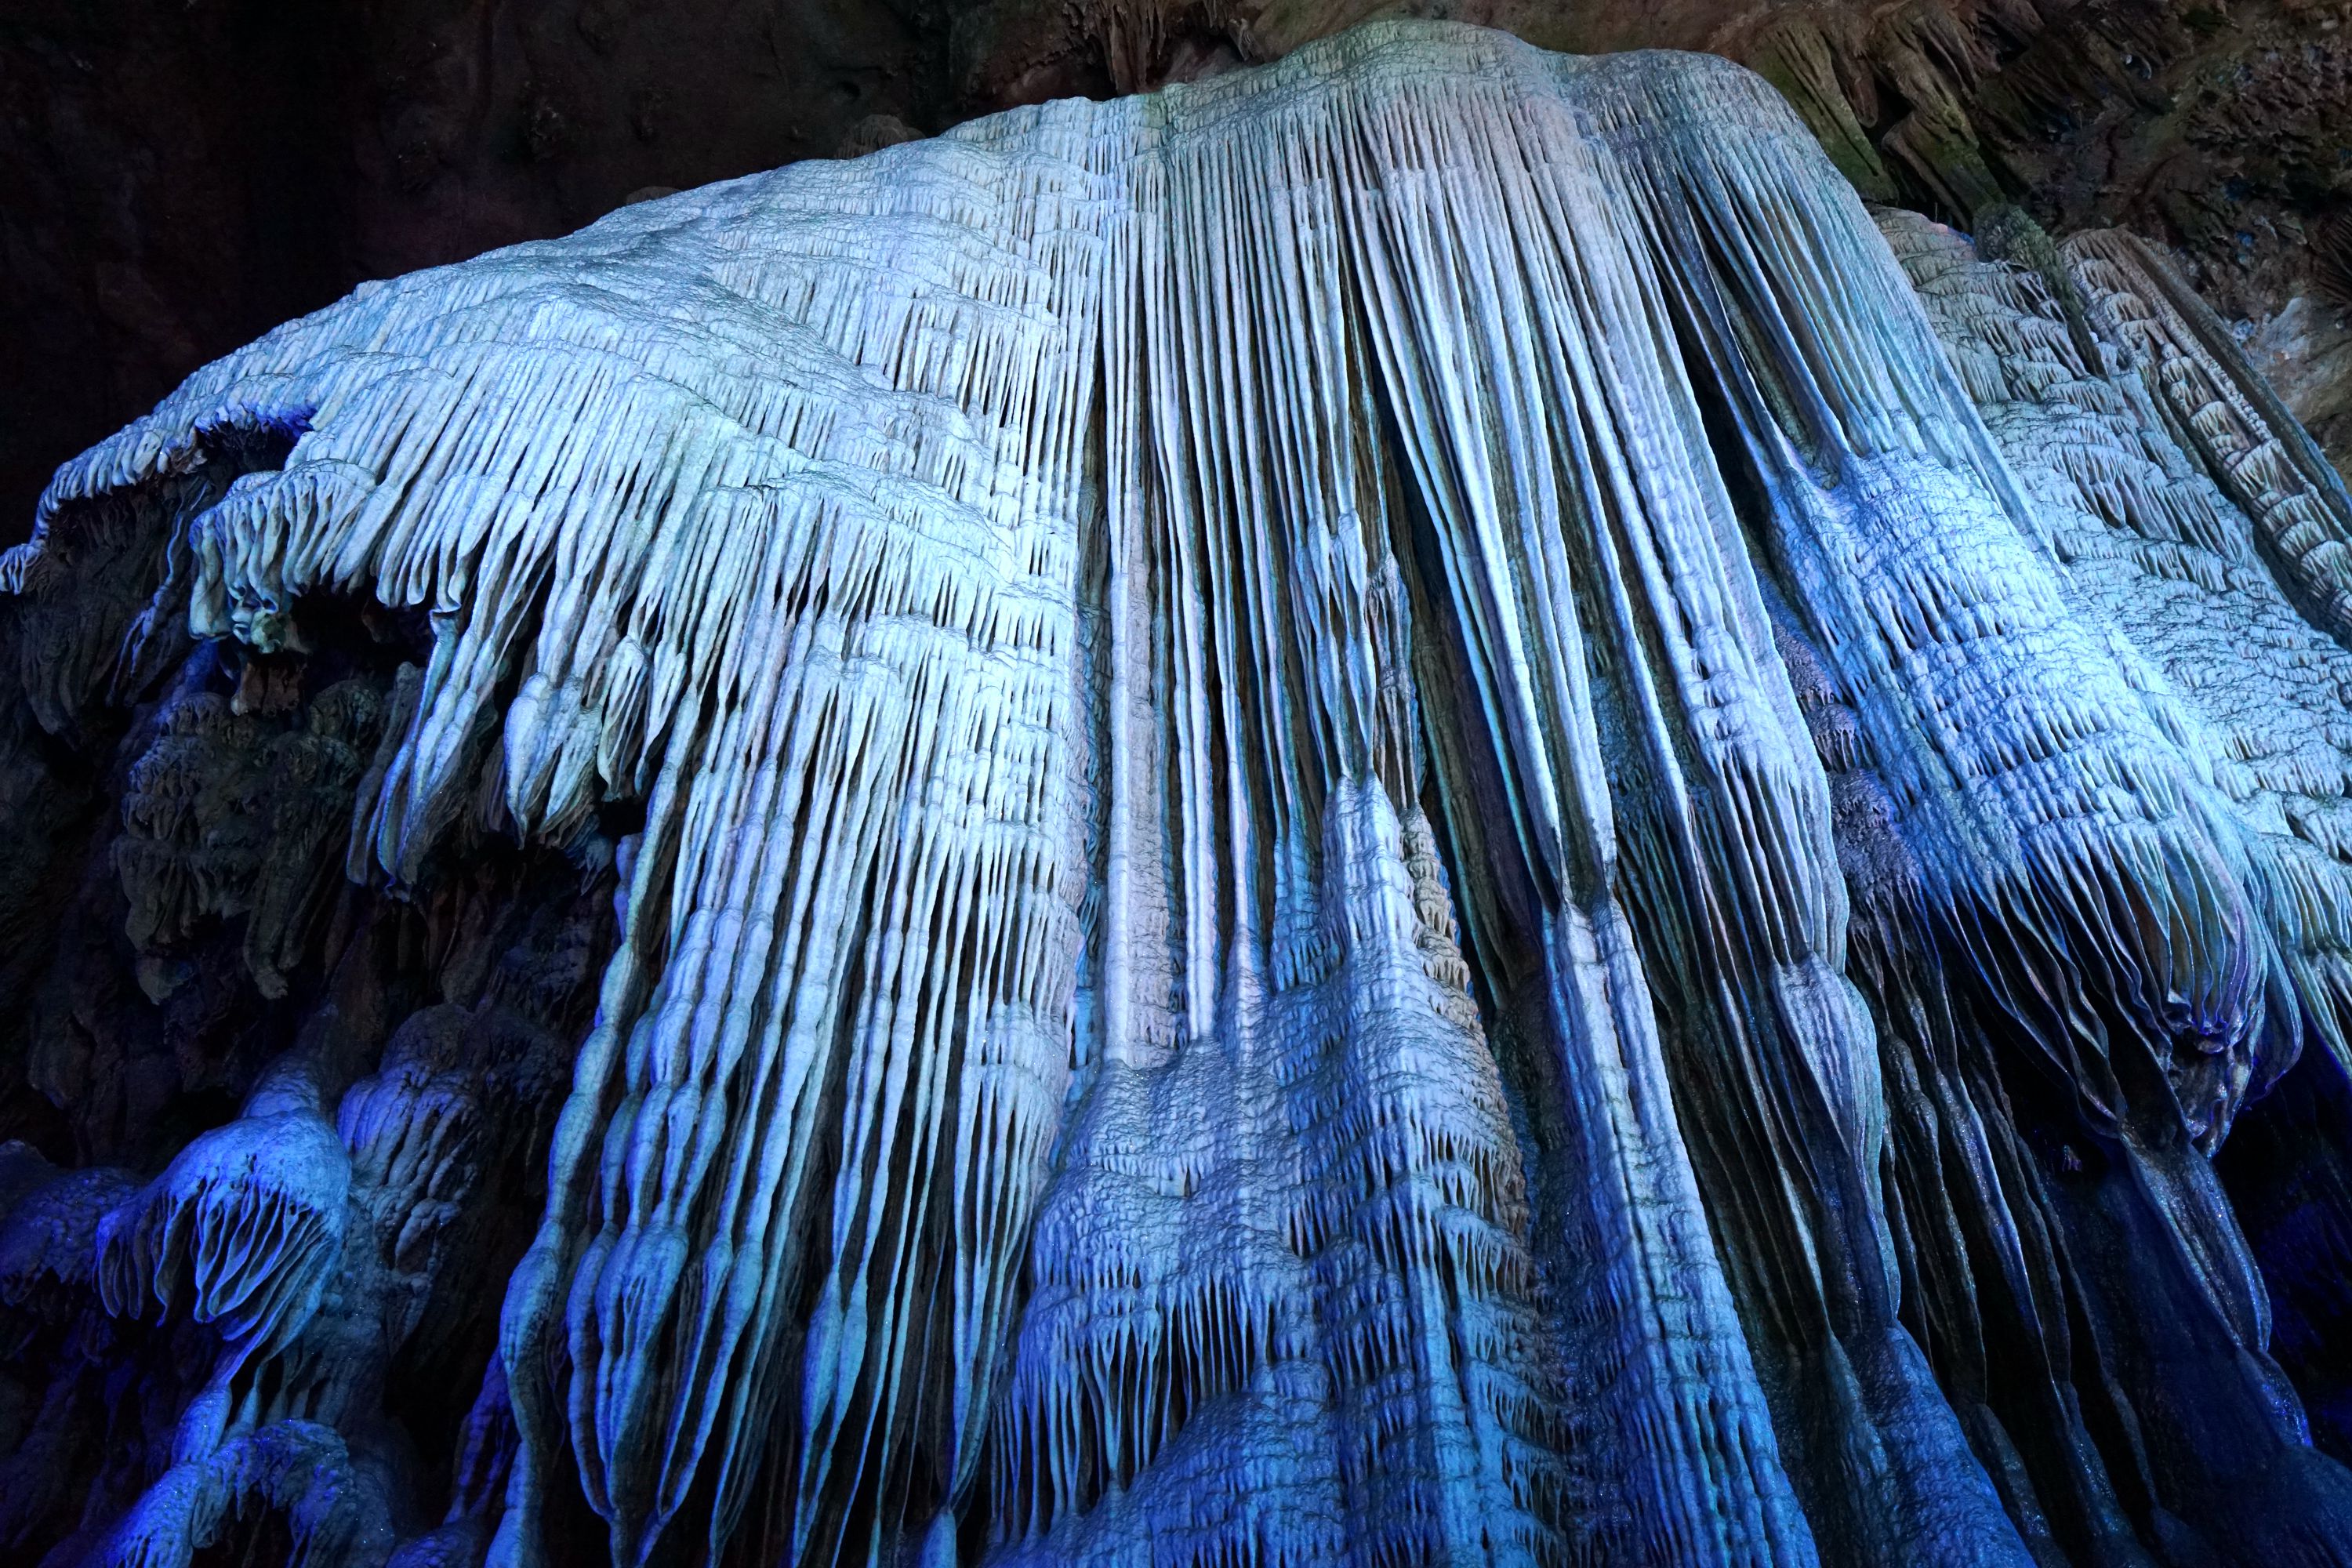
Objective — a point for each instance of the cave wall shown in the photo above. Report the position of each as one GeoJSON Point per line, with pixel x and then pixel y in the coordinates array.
{"type": "Point", "coordinates": [761, 884]}
{"type": "Point", "coordinates": [174, 180]}
{"type": "Point", "coordinates": [177, 179]}
{"type": "Point", "coordinates": [303, 941]}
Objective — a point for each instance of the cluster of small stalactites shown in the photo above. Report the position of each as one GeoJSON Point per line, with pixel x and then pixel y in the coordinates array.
{"type": "Point", "coordinates": [2163, 541]}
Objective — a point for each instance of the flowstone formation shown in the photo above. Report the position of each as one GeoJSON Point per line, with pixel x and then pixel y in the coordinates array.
{"type": "Point", "coordinates": [1404, 809]}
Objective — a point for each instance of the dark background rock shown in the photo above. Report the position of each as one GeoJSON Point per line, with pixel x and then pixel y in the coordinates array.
{"type": "Point", "coordinates": [176, 178]}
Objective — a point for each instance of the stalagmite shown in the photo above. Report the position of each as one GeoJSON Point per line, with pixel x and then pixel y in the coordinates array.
{"type": "Point", "coordinates": [1400, 809]}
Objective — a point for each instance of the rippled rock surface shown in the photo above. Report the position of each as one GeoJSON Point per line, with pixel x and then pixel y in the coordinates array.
{"type": "Point", "coordinates": [1401, 809]}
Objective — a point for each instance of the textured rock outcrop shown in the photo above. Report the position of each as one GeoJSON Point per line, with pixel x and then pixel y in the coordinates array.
{"type": "Point", "coordinates": [1398, 809]}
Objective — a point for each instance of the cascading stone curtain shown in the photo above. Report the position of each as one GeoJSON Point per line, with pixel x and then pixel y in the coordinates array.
{"type": "Point", "coordinates": [1387, 819]}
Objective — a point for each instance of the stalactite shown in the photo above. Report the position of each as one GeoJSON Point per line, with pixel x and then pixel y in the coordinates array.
{"type": "Point", "coordinates": [1395, 810]}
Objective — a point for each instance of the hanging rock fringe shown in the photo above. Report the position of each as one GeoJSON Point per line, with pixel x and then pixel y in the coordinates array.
{"type": "Point", "coordinates": [1262, 715]}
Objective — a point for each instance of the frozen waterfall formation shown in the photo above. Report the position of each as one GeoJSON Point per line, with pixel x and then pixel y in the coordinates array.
{"type": "Point", "coordinates": [1399, 810]}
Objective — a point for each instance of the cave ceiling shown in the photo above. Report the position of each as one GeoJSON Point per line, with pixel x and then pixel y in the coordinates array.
{"type": "Point", "coordinates": [175, 179]}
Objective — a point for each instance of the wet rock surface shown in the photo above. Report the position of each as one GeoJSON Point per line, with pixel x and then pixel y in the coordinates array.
{"type": "Point", "coordinates": [1405, 807]}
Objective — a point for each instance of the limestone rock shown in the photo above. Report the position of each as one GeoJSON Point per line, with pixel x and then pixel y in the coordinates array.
{"type": "Point", "coordinates": [1396, 809]}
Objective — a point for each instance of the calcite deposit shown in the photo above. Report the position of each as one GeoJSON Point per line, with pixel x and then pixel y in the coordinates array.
{"type": "Point", "coordinates": [1406, 808]}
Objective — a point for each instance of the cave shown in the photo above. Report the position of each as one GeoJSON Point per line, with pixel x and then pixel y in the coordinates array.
{"type": "Point", "coordinates": [1178, 787]}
